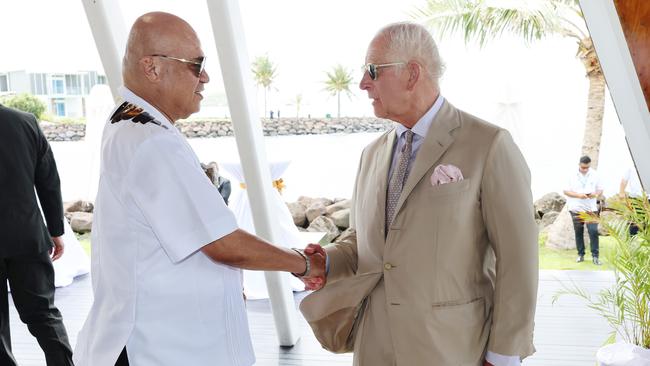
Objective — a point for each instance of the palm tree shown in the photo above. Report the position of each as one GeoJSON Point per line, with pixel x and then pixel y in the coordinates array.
{"type": "Point", "coordinates": [485, 20]}
{"type": "Point", "coordinates": [264, 71]}
{"type": "Point", "coordinates": [338, 80]}
{"type": "Point", "coordinates": [298, 102]}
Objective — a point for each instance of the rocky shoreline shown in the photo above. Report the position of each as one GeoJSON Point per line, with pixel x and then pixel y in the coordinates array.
{"type": "Point", "coordinates": [210, 128]}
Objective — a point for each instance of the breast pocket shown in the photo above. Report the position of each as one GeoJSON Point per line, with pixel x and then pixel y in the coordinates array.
{"type": "Point", "coordinates": [449, 188]}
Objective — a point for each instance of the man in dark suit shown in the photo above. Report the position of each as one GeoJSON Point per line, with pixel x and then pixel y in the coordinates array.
{"type": "Point", "coordinates": [26, 244]}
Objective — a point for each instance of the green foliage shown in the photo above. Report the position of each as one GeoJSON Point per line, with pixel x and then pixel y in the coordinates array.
{"type": "Point", "coordinates": [626, 305]}
{"type": "Point", "coordinates": [26, 103]}
{"type": "Point", "coordinates": [264, 71]}
{"type": "Point", "coordinates": [338, 81]}
{"type": "Point", "coordinates": [484, 20]}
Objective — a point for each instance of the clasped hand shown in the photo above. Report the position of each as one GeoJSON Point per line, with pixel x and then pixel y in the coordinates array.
{"type": "Point", "coordinates": [318, 275]}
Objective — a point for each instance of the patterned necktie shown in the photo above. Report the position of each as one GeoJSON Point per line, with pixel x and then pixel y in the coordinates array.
{"type": "Point", "coordinates": [397, 180]}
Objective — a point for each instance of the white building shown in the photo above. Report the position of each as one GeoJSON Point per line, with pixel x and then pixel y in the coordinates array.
{"type": "Point", "coordinates": [64, 94]}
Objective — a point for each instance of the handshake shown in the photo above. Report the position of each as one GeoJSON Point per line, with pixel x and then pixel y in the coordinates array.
{"type": "Point", "coordinates": [315, 275]}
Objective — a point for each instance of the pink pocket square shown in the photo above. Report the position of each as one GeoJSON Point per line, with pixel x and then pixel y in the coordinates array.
{"type": "Point", "coordinates": [444, 174]}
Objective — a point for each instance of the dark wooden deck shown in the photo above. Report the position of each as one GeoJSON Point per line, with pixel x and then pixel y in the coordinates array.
{"type": "Point", "coordinates": [566, 334]}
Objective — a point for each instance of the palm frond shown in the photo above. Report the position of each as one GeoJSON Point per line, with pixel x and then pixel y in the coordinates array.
{"type": "Point", "coordinates": [264, 71]}
{"type": "Point", "coordinates": [338, 80]}
{"type": "Point", "coordinates": [485, 20]}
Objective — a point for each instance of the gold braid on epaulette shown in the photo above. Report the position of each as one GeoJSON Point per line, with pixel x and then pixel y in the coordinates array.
{"type": "Point", "coordinates": [132, 112]}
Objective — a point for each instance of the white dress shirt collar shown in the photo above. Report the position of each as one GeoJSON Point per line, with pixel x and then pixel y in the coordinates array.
{"type": "Point", "coordinates": [422, 126]}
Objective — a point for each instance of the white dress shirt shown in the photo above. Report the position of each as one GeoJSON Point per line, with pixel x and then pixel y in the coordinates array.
{"type": "Point", "coordinates": [155, 292]}
{"type": "Point", "coordinates": [633, 187]}
{"type": "Point", "coordinates": [420, 130]}
{"type": "Point", "coordinates": [583, 183]}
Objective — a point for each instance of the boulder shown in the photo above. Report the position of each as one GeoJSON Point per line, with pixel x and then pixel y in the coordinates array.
{"type": "Point", "coordinates": [548, 219]}
{"type": "Point", "coordinates": [306, 201]}
{"type": "Point", "coordinates": [298, 213]}
{"type": "Point", "coordinates": [550, 202]}
{"type": "Point", "coordinates": [337, 206]}
{"type": "Point", "coordinates": [341, 218]}
{"type": "Point", "coordinates": [316, 209]}
{"type": "Point", "coordinates": [326, 225]}
{"type": "Point", "coordinates": [560, 232]}
{"type": "Point", "coordinates": [81, 222]}
{"type": "Point", "coordinates": [78, 206]}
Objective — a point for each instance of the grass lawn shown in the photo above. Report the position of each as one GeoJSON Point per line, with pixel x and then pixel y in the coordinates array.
{"type": "Point", "coordinates": [548, 258]}
{"type": "Point", "coordinates": [84, 240]}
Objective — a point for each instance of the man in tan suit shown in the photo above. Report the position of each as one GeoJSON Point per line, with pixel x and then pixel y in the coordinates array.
{"type": "Point", "coordinates": [446, 242]}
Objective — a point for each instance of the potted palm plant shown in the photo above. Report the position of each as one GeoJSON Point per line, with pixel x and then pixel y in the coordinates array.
{"type": "Point", "coordinates": [625, 305]}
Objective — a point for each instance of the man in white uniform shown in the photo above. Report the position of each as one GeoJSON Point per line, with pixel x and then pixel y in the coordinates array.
{"type": "Point", "coordinates": [166, 252]}
{"type": "Point", "coordinates": [584, 188]}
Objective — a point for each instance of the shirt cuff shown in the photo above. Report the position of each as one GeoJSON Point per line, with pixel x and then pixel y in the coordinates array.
{"type": "Point", "coordinates": [327, 264]}
{"type": "Point", "coordinates": [501, 360]}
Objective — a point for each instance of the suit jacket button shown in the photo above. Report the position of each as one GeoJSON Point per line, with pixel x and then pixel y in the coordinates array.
{"type": "Point", "coordinates": [388, 266]}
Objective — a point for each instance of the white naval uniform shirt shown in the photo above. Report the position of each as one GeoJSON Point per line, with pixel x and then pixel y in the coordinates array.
{"type": "Point", "coordinates": [155, 292]}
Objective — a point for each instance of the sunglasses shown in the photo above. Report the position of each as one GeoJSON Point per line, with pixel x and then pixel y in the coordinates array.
{"type": "Point", "coordinates": [197, 66]}
{"type": "Point", "coordinates": [372, 68]}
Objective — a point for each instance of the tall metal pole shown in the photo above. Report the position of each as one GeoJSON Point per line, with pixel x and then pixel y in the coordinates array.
{"type": "Point", "coordinates": [235, 68]}
{"type": "Point", "coordinates": [107, 25]}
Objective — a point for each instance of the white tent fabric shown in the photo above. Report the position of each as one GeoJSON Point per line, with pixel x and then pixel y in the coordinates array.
{"type": "Point", "coordinates": [74, 261]}
{"type": "Point", "coordinates": [98, 107]}
{"type": "Point", "coordinates": [288, 234]}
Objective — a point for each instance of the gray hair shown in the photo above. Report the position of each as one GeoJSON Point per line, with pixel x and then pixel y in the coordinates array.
{"type": "Point", "coordinates": [409, 41]}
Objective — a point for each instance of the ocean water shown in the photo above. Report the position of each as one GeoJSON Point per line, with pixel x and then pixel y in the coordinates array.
{"type": "Point", "coordinates": [325, 165]}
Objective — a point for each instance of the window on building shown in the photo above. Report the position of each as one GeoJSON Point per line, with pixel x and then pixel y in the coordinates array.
{"type": "Point", "coordinates": [101, 79]}
{"type": "Point", "coordinates": [87, 84]}
{"type": "Point", "coordinates": [4, 83]}
{"type": "Point", "coordinates": [58, 107]}
{"type": "Point", "coordinates": [73, 84]}
{"type": "Point", "coordinates": [58, 85]}
{"type": "Point", "coordinates": [38, 83]}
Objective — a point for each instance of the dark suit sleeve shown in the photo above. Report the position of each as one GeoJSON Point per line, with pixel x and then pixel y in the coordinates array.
{"type": "Point", "coordinates": [48, 185]}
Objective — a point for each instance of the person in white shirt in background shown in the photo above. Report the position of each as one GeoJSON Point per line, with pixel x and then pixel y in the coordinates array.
{"type": "Point", "coordinates": [584, 188]}
{"type": "Point", "coordinates": [166, 251]}
{"type": "Point", "coordinates": [631, 187]}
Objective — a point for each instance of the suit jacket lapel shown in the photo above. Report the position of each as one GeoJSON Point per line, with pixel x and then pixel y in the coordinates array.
{"type": "Point", "coordinates": [383, 161]}
{"type": "Point", "coordinates": [436, 142]}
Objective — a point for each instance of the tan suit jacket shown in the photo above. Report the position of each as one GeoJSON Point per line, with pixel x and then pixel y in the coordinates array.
{"type": "Point", "coordinates": [456, 274]}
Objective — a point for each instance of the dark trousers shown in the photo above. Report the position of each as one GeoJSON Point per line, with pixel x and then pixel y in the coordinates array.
{"type": "Point", "coordinates": [579, 228]}
{"type": "Point", "coordinates": [32, 288]}
{"type": "Point", "coordinates": [123, 360]}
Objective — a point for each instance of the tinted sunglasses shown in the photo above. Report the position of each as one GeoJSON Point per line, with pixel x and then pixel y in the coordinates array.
{"type": "Point", "coordinates": [198, 66]}
{"type": "Point", "coordinates": [372, 68]}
